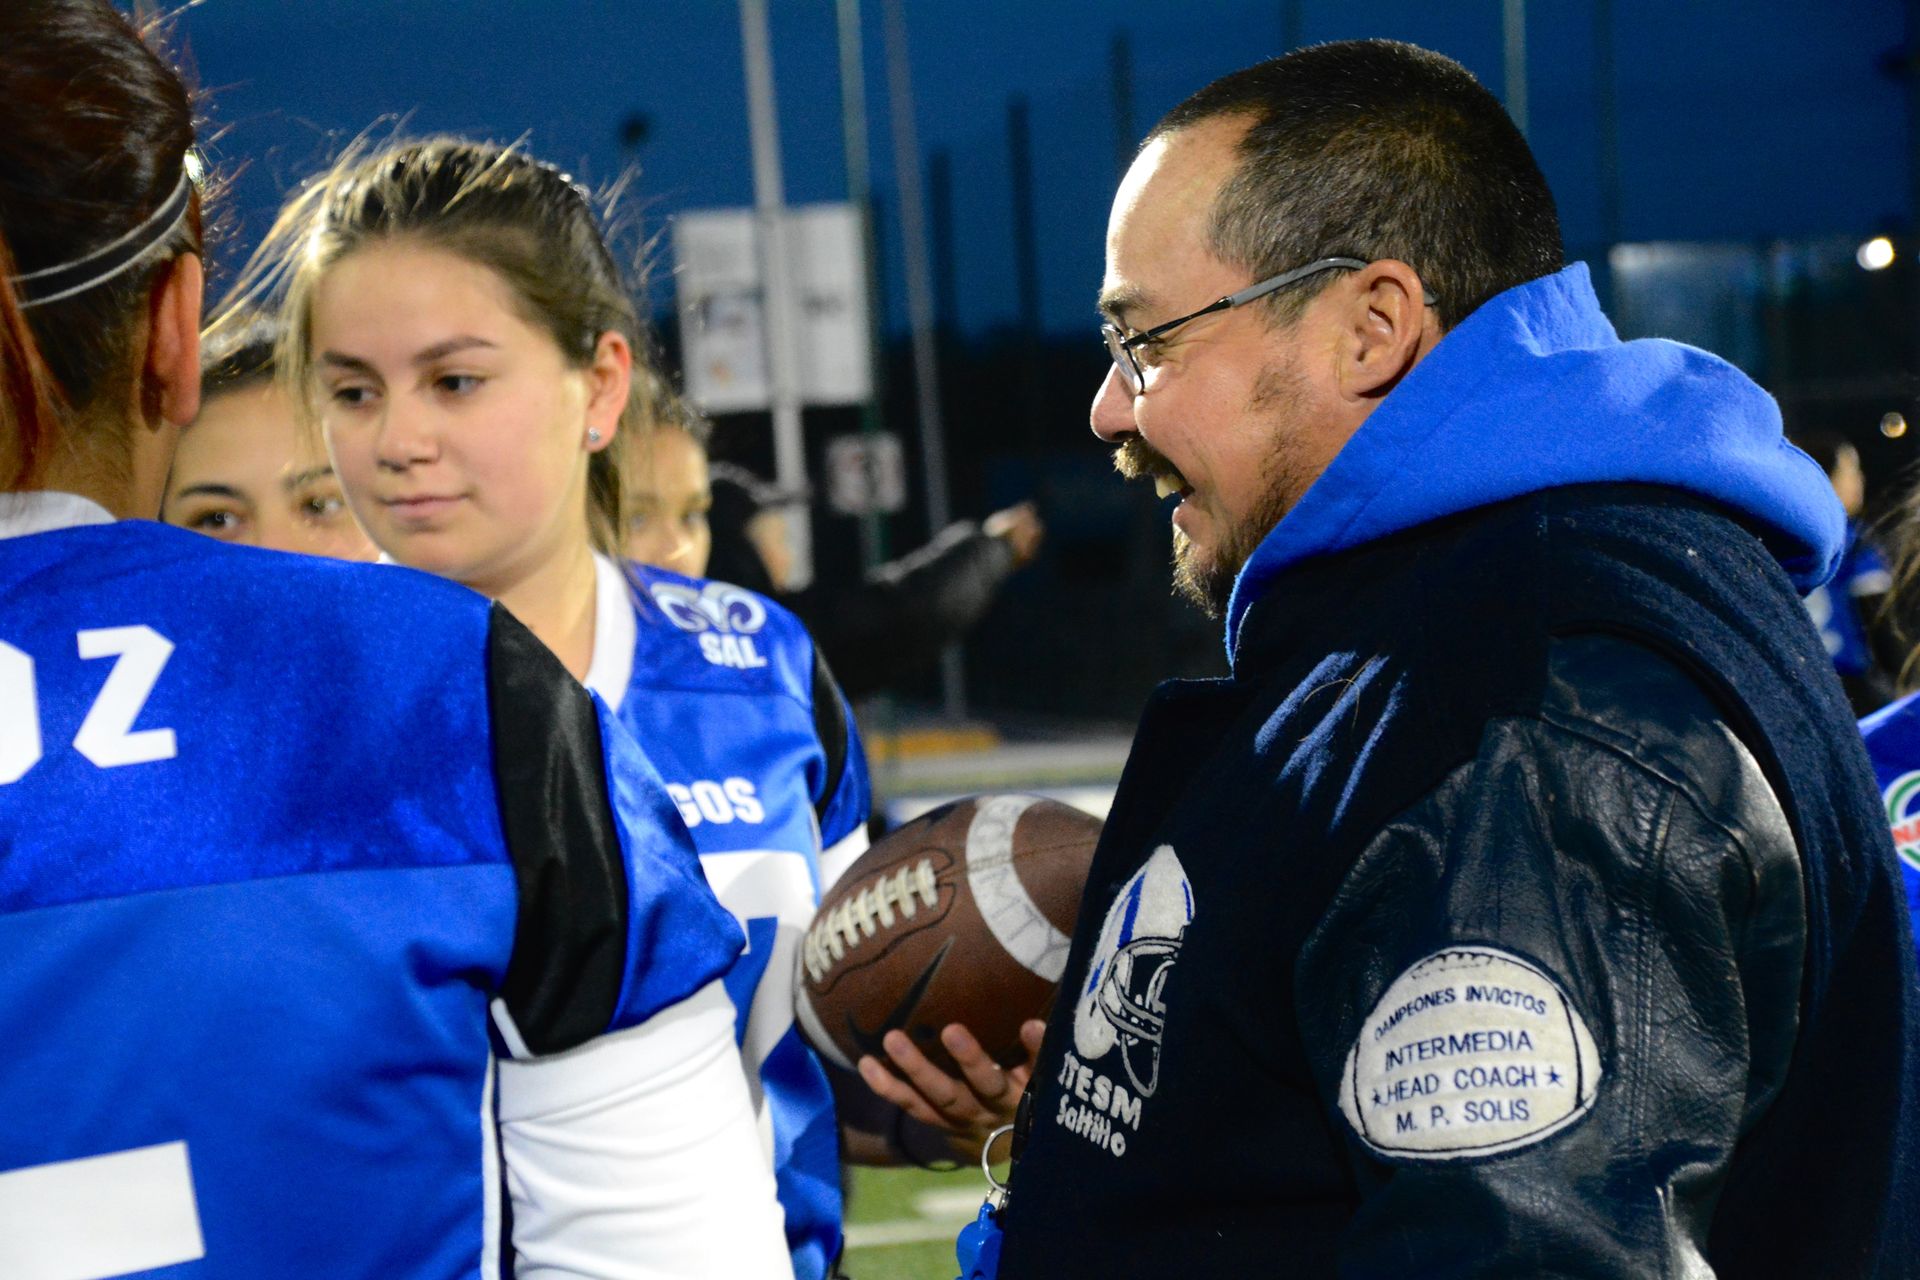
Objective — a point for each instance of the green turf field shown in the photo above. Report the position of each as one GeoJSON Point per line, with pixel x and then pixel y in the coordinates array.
{"type": "Point", "coordinates": [901, 1222]}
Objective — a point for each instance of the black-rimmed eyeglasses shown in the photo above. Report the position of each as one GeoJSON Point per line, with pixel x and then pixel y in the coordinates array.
{"type": "Point", "coordinates": [1123, 348]}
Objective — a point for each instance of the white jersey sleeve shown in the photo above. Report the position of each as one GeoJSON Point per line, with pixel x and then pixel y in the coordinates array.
{"type": "Point", "coordinates": [835, 860]}
{"type": "Point", "coordinates": [636, 1156]}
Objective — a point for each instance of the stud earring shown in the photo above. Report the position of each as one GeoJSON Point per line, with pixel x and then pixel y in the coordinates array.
{"type": "Point", "coordinates": [593, 435]}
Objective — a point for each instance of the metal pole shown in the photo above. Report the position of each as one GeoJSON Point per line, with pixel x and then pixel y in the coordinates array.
{"type": "Point", "coordinates": [1121, 68]}
{"type": "Point", "coordinates": [782, 316]}
{"type": "Point", "coordinates": [1026, 260]}
{"type": "Point", "coordinates": [1607, 109]}
{"type": "Point", "coordinates": [926, 371]}
{"type": "Point", "coordinates": [1026, 243]}
{"type": "Point", "coordinates": [940, 234]}
{"type": "Point", "coordinates": [853, 115]}
{"type": "Point", "coordinates": [1516, 72]}
{"type": "Point", "coordinates": [1290, 31]}
{"type": "Point", "coordinates": [853, 103]}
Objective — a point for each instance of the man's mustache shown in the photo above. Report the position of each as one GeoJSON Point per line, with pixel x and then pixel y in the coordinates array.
{"type": "Point", "coordinates": [1135, 459]}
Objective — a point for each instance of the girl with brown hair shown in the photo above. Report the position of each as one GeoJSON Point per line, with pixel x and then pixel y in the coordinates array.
{"type": "Point", "coordinates": [454, 321]}
{"type": "Point", "coordinates": [328, 948]}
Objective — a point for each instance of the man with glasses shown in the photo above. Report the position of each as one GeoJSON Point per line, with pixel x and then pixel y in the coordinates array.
{"type": "Point", "coordinates": [1521, 904]}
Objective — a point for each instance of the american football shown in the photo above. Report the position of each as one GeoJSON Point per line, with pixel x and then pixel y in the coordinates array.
{"type": "Point", "coordinates": [962, 915]}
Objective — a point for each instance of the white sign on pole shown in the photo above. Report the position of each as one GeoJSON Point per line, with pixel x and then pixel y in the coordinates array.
{"type": "Point", "coordinates": [830, 282]}
{"type": "Point", "coordinates": [722, 307]}
{"type": "Point", "coordinates": [722, 312]}
{"type": "Point", "coordinates": [866, 474]}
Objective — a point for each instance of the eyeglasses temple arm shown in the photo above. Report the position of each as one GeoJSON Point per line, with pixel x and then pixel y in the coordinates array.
{"type": "Point", "coordinates": [1285, 278]}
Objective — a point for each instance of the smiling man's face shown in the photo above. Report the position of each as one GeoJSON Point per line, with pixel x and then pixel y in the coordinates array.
{"type": "Point", "coordinates": [1231, 418]}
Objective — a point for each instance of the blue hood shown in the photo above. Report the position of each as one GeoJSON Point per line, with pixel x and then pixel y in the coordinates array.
{"type": "Point", "coordinates": [1534, 390]}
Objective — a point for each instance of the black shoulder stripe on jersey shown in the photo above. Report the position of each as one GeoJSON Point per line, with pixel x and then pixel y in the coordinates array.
{"type": "Point", "coordinates": [830, 724]}
{"type": "Point", "coordinates": [569, 949]}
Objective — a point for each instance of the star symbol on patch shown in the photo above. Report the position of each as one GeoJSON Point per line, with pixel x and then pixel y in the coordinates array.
{"type": "Point", "coordinates": [1553, 1075]}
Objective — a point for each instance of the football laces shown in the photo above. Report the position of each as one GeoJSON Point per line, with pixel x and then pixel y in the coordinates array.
{"type": "Point", "coordinates": [866, 911]}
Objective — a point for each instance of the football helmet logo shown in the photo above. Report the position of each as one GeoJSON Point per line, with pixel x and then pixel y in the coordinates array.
{"type": "Point", "coordinates": [1122, 1004]}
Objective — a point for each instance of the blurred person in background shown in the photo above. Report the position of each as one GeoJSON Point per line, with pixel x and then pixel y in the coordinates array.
{"type": "Point", "coordinates": [328, 949]}
{"type": "Point", "coordinates": [246, 470]}
{"type": "Point", "coordinates": [1522, 901]}
{"type": "Point", "coordinates": [670, 509]}
{"type": "Point", "coordinates": [458, 324]}
{"type": "Point", "coordinates": [889, 626]}
{"type": "Point", "coordinates": [669, 491]}
{"type": "Point", "coordinates": [1845, 609]}
{"type": "Point", "coordinates": [1893, 733]}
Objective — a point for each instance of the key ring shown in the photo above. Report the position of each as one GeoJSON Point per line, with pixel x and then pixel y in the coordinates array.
{"type": "Point", "coordinates": [986, 1157]}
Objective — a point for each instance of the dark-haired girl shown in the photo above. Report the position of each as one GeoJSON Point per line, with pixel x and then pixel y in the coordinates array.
{"type": "Point", "coordinates": [476, 363]}
{"type": "Point", "coordinates": [337, 920]}
{"type": "Point", "coordinates": [246, 471]}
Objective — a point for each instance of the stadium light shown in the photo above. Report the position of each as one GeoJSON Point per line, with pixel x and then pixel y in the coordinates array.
{"type": "Point", "coordinates": [1875, 254]}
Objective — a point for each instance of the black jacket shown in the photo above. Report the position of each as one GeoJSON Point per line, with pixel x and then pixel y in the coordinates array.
{"type": "Point", "coordinates": [1520, 907]}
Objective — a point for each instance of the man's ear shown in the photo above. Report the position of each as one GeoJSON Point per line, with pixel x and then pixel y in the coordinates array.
{"type": "Point", "coordinates": [172, 369]}
{"type": "Point", "coordinates": [1389, 328]}
{"type": "Point", "coordinates": [609, 378]}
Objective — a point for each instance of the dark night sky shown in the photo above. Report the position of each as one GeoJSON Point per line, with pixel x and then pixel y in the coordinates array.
{"type": "Point", "coordinates": [1738, 119]}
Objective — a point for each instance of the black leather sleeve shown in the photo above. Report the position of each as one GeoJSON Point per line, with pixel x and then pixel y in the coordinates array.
{"type": "Point", "coordinates": [569, 951]}
{"type": "Point", "coordinates": [1625, 844]}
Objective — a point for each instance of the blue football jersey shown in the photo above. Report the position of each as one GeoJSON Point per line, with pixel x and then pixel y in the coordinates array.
{"type": "Point", "coordinates": [276, 835]}
{"type": "Point", "coordinates": [1893, 744]}
{"type": "Point", "coordinates": [727, 696]}
{"type": "Point", "coordinates": [1835, 607]}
